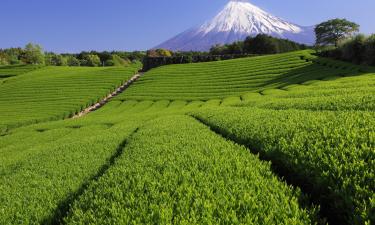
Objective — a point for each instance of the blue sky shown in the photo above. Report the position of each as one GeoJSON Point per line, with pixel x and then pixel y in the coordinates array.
{"type": "Point", "coordinates": [76, 25]}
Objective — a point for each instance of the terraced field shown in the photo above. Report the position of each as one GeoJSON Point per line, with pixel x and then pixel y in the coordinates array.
{"type": "Point", "coordinates": [15, 70]}
{"type": "Point", "coordinates": [216, 80]}
{"type": "Point", "coordinates": [184, 147]}
{"type": "Point", "coordinates": [55, 92]}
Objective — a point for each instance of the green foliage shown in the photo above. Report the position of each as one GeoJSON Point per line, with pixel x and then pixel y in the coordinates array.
{"type": "Point", "coordinates": [44, 172]}
{"type": "Point", "coordinates": [333, 31]}
{"type": "Point", "coordinates": [10, 56]}
{"type": "Point", "coordinates": [159, 53]}
{"type": "Point", "coordinates": [174, 170]}
{"type": "Point", "coordinates": [354, 49]}
{"type": "Point", "coordinates": [56, 92]}
{"type": "Point", "coordinates": [91, 60]}
{"type": "Point", "coordinates": [73, 61]}
{"type": "Point", "coordinates": [185, 58]}
{"type": "Point", "coordinates": [118, 61]}
{"type": "Point", "coordinates": [33, 54]}
{"type": "Point", "coordinates": [52, 59]}
{"type": "Point", "coordinates": [360, 50]}
{"type": "Point", "coordinates": [217, 80]}
{"type": "Point", "coordinates": [234, 48]}
{"type": "Point", "coordinates": [3, 60]}
{"type": "Point", "coordinates": [141, 158]}
{"type": "Point", "coordinates": [327, 153]}
{"type": "Point", "coordinates": [260, 44]}
{"type": "Point", "coordinates": [15, 70]}
{"type": "Point", "coordinates": [109, 62]}
{"type": "Point", "coordinates": [369, 54]}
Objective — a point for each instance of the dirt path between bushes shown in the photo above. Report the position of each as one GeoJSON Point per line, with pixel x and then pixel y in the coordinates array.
{"type": "Point", "coordinates": [102, 102]}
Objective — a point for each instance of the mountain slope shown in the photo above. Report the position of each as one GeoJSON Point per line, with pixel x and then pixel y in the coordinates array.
{"type": "Point", "coordinates": [238, 20]}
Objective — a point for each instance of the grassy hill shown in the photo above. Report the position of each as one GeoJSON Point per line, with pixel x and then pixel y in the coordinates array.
{"type": "Point", "coordinates": [55, 92]}
{"type": "Point", "coordinates": [204, 81]}
{"type": "Point", "coordinates": [281, 133]}
{"type": "Point", "coordinates": [14, 70]}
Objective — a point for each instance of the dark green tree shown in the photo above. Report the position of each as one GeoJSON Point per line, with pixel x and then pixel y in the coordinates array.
{"type": "Point", "coordinates": [354, 49]}
{"type": "Point", "coordinates": [333, 31]}
{"type": "Point", "coordinates": [369, 54]}
{"type": "Point", "coordinates": [261, 44]}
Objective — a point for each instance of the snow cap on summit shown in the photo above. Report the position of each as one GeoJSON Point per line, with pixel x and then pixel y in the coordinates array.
{"type": "Point", "coordinates": [244, 17]}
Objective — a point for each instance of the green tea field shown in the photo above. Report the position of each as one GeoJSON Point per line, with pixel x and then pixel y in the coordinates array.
{"type": "Point", "coordinates": [51, 93]}
{"type": "Point", "coordinates": [278, 139]}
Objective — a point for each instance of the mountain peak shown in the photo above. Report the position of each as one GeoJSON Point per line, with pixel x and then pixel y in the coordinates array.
{"type": "Point", "coordinates": [238, 20]}
{"type": "Point", "coordinates": [244, 17]}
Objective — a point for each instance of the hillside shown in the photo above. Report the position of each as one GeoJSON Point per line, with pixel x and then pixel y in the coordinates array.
{"type": "Point", "coordinates": [217, 80]}
{"type": "Point", "coordinates": [14, 70]}
{"type": "Point", "coordinates": [40, 94]}
{"type": "Point", "coordinates": [252, 141]}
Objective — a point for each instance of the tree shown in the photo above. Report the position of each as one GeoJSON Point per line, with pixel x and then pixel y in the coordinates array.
{"type": "Point", "coordinates": [33, 54]}
{"type": "Point", "coordinates": [73, 61]}
{"type": "Point", "coordinates": [354, 49]}
{"type": "Point", "coordinates": [333, 31]}
{"type": "Point", "coordinates": [91, 60]}
{"type": "Point", "coordinates": [219, 49]}
{"type": "Point", "coordinates": [261, 44]}
{"type": "Point", "coordinates": [118, 61]}
{"type": "Point", "coordinates": [159, 53]}
{"type": "Point", "coordinates": [3, 59]}
{"type": "Point", "coordinates": [59, 60]}
{"type": "Point", "coordinates": [236, 48]}
{"type": "Point", "coordinates": [370, 50]}
{"type": "Point", "coordinates": [52, 59]}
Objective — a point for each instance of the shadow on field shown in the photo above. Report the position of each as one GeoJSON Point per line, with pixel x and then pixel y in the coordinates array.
{"type": "Point", "coordinates": [312, 71]}
{"type": "Point", "coordinates": [312, 195]}
{"type": "Point", "coordinates": [64, 206]}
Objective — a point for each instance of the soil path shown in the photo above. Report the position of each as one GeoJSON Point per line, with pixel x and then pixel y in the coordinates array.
{"type": "Point", "coordinates": [102, 102]}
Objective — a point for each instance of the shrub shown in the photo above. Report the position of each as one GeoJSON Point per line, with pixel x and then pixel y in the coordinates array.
{"type": "Point", "coordinates": [369, 55]}
{"type": "Point", "coordinates": [109, 62]}
{"type": "Point", "coordinates": [33, 54]}
{"type": "Point", "coordinates": [118, 61]}
{"type": "Point", "coordinates": [353, 49]}
{"type": "Point", "coordinates": [73, 61]}
{"type": "Point", "coordinates": [359, 49]}
{"type": "Point", "coordinates": [90, 60]}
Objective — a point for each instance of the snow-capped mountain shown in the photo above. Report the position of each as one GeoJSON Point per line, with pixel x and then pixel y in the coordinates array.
{"type": "Point", "coordinates": [238, 20]}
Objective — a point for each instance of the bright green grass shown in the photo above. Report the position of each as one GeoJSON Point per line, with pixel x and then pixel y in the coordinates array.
{"type": "Point", "coordinates": [55, 161]}
{"type": "Point", "coordinates": [56, 92]}
{"type": "Point", "coordinates": [217, 80]}
{"type": "Point", "coordinates": [39, 179]}
{"type": "Point", "coordinates": [331, 154]}
{"type": "Point", "coordinates": [345, 93]}
{"type": "Point", "coordinates": [174, 170]}
{"type": "Point", "coordinates": [315, 122]}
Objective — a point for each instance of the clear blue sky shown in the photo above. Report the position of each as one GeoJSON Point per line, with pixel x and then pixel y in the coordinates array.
{"type": "Point", "coordinates": [76, 25]}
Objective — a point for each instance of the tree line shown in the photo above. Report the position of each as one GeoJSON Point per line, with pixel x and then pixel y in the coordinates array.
{"type": "Point", "coordinates": [336, 38]}
{"type": "Point", "coordinates": [260, 44]}
{"type": "Point", "coordinates": [34, 54]}
{"type": "Point", "coordinates": [253, 46]}
{"type": "Point", "coordinates": [339, 39]}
